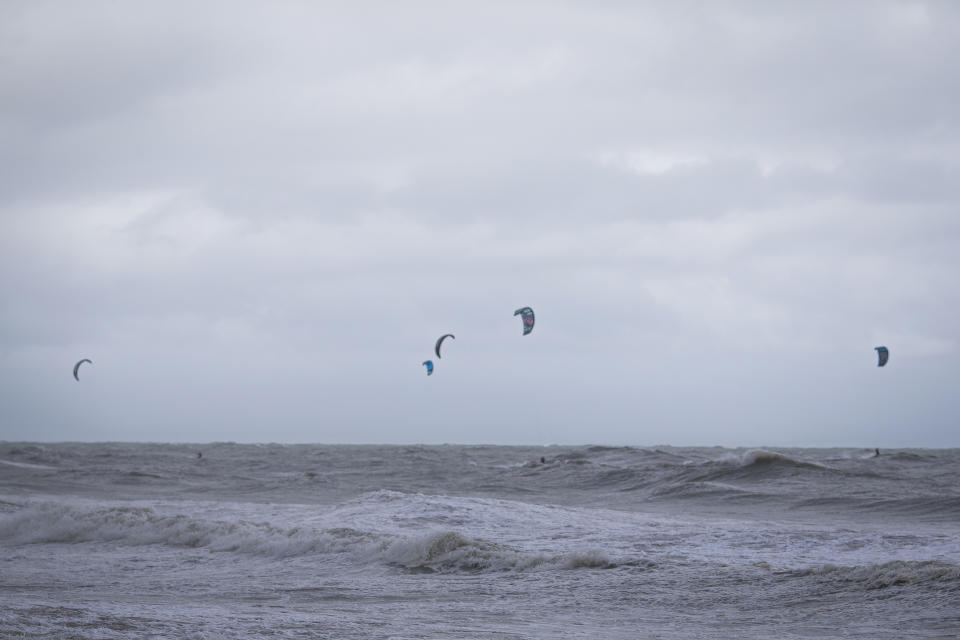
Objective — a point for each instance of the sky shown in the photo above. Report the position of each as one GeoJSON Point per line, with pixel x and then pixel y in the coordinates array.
{"type": "Point", "coordinates": [256, 218]}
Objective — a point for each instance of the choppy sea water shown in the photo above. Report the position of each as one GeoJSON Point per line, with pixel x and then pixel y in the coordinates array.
{"type": "Point", "coordinates": [313, 541]}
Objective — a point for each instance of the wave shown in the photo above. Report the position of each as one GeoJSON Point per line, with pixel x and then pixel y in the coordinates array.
{"type": "Point", "coordinates": [756, 464]}
{"type": "Point", "coordinates": [32, 453]}
{"type": "Point", "coordinates": [453, 552]}
{"type": "Point", "coordinates": [660, 475]}
{"type": "Point", "coordinates": [762, 458]}
{"type": "Point", "coordinates": [447, 551]}
{"type": "Point", "coordinates": [437, 551]}
{"type": "Point", "coordinates": [708, 472]}
{"type": "Point", "coordinates": [27, 465]}
{"type": "Point", "coordinates": [931, 573]}
{"type": "Point", "coordinates": [58, 523]}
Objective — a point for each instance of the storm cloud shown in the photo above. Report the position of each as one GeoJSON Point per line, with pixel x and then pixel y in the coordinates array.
{"type": "Point", "coordinates": [256, 218]}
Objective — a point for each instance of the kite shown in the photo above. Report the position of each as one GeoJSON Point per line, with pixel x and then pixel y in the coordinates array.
{"type": "Point", "coordinates": [883, 354]}
{"type": "Point", "coordinates": [76, 368]}
{"type": "Point", "coordinates": [436, 348]}
{"type": "Point", "coordinates": [526, 313]}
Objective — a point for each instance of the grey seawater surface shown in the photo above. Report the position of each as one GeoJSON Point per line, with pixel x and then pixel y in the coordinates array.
{"type": "Point", "coordinates": [311, 541]}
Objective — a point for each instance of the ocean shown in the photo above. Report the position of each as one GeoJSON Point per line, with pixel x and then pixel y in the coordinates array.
{"type": "Point", "coordinates": [113, 540]}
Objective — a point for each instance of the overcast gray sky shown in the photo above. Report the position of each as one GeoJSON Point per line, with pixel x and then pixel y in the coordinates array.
{"type": "Point", "coordinates": [257, 217]}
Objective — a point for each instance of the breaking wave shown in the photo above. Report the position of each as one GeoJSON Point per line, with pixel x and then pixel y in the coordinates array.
{"type": "Point", "coordinates": [764, 459]}
{"type": "Point", "coordinates": [938, 575]}
{"type": "Point", "coordinates": [450, 551]}
{"type": "Point", "coordinates": [57, 523]}
{"type": "Point", "coordinates": [757, 464]}
{"type": "Point", "coordinates": [439, 551]}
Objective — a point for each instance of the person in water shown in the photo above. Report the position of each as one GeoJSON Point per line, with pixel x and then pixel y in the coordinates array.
{"type": "Point", "coordinates": [876, 453]}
